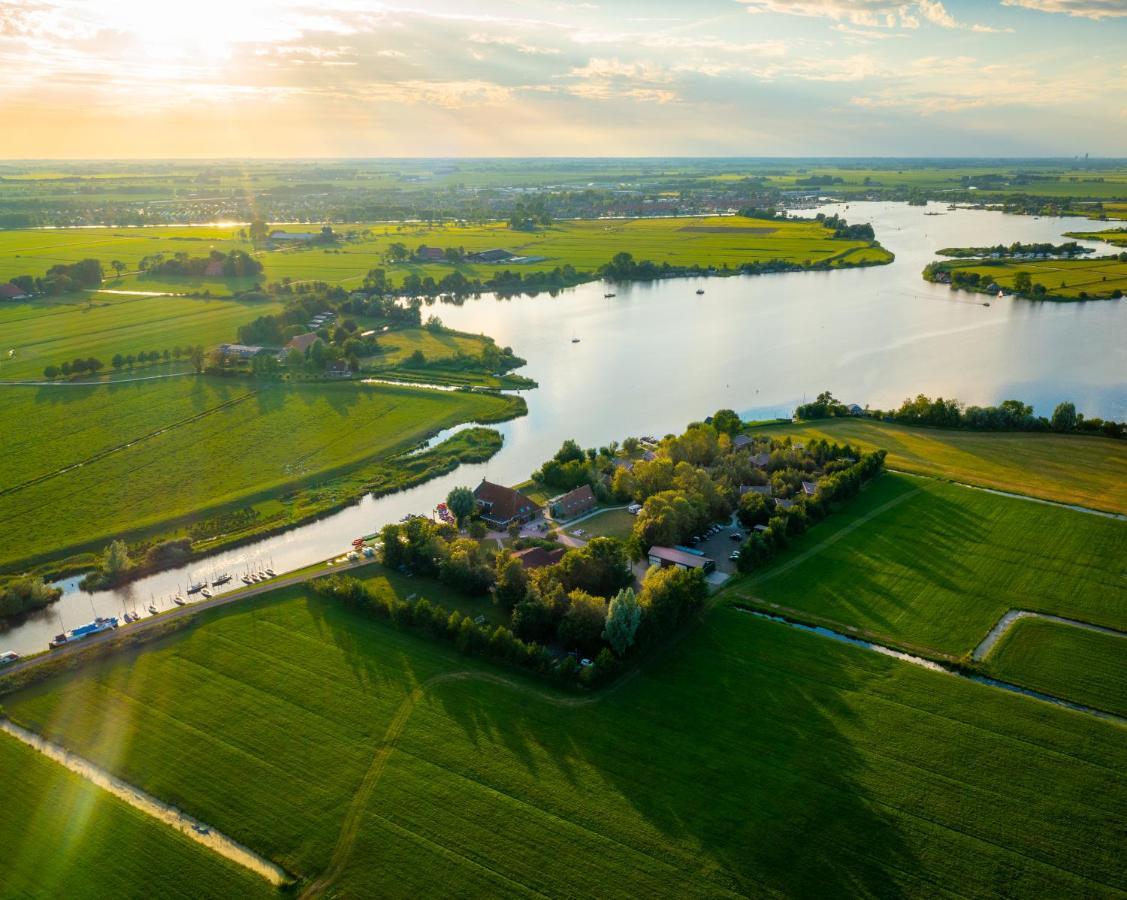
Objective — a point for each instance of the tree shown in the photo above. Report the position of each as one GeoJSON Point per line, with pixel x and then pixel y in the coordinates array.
{"type": "Point", "coordinates": [510, 581]}
{"type": "Point", "coordinates": [461, 503]}
{"type": "Point", "coordinates": [115, 561]}
{"type": "Point", "coordinates": [582, 623]}
{"type": "Point", "coordinates": [669, 596]}
{"type": "Point", "coordinates": [1064, 417]}
{"type": "Point", "coordinates": [623, 617]}
{"type": "Point", "coordinates": [51, 372]}
{"type": "Point", "coordinates": [118, 266]}
{"type": "Point", "coordinates": [753, 510]}
{"type": "Point", "coordinates": [259, 232]}
{"type": "Point", "coordinates": [118, 361]}
{"type": "Point", "coordinates": [197, 357]}
{"type": "Point", "coordinates": [1023, 282]}
{"type": "Point", "coordinates": [726, 421]}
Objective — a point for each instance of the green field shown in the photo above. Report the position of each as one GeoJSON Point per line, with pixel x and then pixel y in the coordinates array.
{"type": "Point", "coordinates": [64, 837]}
{"type": "Point", "coordinates": [1088, 471]}
{"type": "Point", "coordinates": [585, 245]}
{"type": "Point", "coordinates": [155, 452]}
{"type": "Point", "coordinates": [49, 332]}
{"type": "Point", "coordinates": [1116, 236]}
{"type": "Point", "coordinates": [616, 523]}
{"type": "Point", "coordinates": [933, 566]}
{"type": "Point", "coordinates": [304, 729]}
{"type": "Point", "coordinates": [1069, 278]}
{"type": "Point", "coordinates": [1087, 667]}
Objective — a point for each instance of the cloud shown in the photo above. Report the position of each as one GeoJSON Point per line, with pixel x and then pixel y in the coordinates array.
{"type": "Point", "coordinates": [872, 13]}
{"type": "Point", "coordinates": [1082, 9]}
{"type": "Point", "coordinates": [504, 40]}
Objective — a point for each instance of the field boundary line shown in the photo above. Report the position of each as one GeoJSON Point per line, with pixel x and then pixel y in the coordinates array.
{"type": "Point", "coordinates": [1013, 616]}
{"type": "Point", "coordinates": [80, 384]}
{"type": "Point", "coordinates": [144, 802]}
{"type": "Point", "coordinates": [109, 451]}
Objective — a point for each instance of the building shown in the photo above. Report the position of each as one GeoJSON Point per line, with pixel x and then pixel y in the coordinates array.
{"type": "Point", "coordinates": [682, 559]}
{"type": "Point", "coordinates": [431, 254]}
{"type": "Point", "coordinates": [761, 459]}
{"type": "Point", "coordinates": [538, 557]}
{"type": "Point", "coordinates": [12, 291]}
{"type": "Point", "coordinates": [855, 410]}
{"type": "Point", "coordinates": [214, 268]}
{"type": "Point", "coordinates": [809, 488]}
{"type": "Point", "coordinates": [490, 256]}
{"type": "Point", "coordinates": [742, 440]}
{"type": "Point", "coordinates": [573, 503]}
{"type": "Point", "coordinates": [302, 342]}
{"type": "Point", "coordinates": [501, 506]}
{"type": "Point", "coordinates": [240, 351]}
{"type": "Point", "coordinates": [338, 368]}
{"type": "Point", "coordinates": [780, 503]}
{"type": "Point", "coordinates": [764, 490]}
{"type": "Point", "coordinates": [293, 236]}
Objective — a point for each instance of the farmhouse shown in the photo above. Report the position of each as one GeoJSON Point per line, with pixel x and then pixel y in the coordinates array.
{"type": "Point", "coordinates": [761, 459]}
{"type": "Point", "coordinates": [214, 268]}
{"type": "Point", "coordinates": [573, 503]}
{"type": "Point", "coordinates": [302, 342]}
{"type": "Point", "coordinates": [855, 410]}
{"type": "Point", "coordinates": [11, 291]}
{"type": "Point", "coordinates": [682, 559]}
{"type": "Point", "coordinates": [538, 557]}
{"type": "Point", "coordinates": [431, 254]}
{"type": "Point", "coordinates": [809, 488]}
{"type": "Point", "coordinates": [741, 440]}
{"type": "Point", "coordinates": [338, 368]}
{"type": "Point", "coordinates": [501, 506]}
{"type": "Point", "coordinates": [490, 256]}
{"type": "Point", "coordinates": [292, 236]}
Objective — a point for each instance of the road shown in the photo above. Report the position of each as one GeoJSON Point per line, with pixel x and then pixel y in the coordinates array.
{"type": "Point", "coordinates": [180, 612]}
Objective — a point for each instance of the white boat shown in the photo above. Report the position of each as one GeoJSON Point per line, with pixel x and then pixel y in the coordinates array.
{"type": "Point", "coordinates": [178, 600]}
{"type": "Point", "coordinates": [152, 609]}
{"type": "Point", "coordinates": [99, 624]}
{"type": "Point", "coordinates": [271, 573]}
{"type": "Point", "coordinates": [206, 594]}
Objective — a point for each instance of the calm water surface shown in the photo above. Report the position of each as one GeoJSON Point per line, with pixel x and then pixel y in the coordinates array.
{"type": "Point", "coordinates": [658, 356]}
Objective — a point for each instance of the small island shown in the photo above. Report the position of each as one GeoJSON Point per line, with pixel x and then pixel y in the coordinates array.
{"type": "Point", "coordinates": [1032, 275]}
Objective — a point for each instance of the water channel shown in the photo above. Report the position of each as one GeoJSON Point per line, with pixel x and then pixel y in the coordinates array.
{"type": "Point", "coordinates": [658, 356]}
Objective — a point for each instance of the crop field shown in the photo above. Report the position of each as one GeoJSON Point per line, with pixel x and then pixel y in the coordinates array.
{"type": "Point", "coordinates": [585, 245]}
{"type": "Point", "coordinates": [933, 566]}
{"type": "Point", "coordinates": [1084, 470]}
{"type": "Point", "coordinates": [46, 333]}
{"type": "Point", "coordinates": [1116, 236]}
{"type": "Point", "coordinates": [396, 346]}
{"type": "Point", "coordinates": [1095, 278]}
{"type": "Point", "coordinates": [235, 444]}
{"type": "Point", "coordinates": [1084, 666]}
{"type": "Point", "coordinates": [64, 837]}
{"type": "Point", "coordinates": [312, 733]}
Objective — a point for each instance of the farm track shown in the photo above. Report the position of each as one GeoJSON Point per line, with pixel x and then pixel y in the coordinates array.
{"type": "Point", "coordinates": [102, 454]}
{"type": "Point", "coordinates": [1014, 616]}
{"type": "Point", "coordinates": [191, 828]}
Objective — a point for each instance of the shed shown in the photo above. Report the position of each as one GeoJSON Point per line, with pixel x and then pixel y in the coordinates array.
{"type": "Point", "coordinates": [682, 559]}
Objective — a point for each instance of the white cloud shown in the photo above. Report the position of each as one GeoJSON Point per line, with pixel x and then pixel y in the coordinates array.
{"type": "Point", "coordinates": [1084, 9]}
{"type": "Point", "coordinates": [871, 13]}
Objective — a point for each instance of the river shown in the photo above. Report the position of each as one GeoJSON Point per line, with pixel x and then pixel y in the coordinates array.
{"type": "Point", "coordinates": [658, 356]}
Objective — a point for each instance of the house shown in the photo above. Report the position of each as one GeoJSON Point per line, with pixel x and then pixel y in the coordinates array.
{"type": "Point", "coordinates": [302, 342]}
{"type": "Point", "coordinates": [682, 559]}
{"type": "Point", "coordinates": [855, 410]}
{"type": "Point", "coordinates": [501, 506]}
{"type": "Point", "coordinates": [809, 488]}
{"type": "Point", "coordinates": [214, 268]}
{"type": "Point", "coordinates": [573, 503]}
{"type": "Point", "coordinates": [627, 464]}
{"type": "Point", "coordinates": [538, 557]}
{"type": "Point", "coordinates": [240, 351]}
{"type": "Point", "coordinates": [431, 254]}
{"type": "Point", "coordinates": [490, 256]}
{"type": "Point", "coordinates": [293, 236]}
{"type": "Point", "coordinates": [742, 440]}
{"type": "Point", "coordinates": [780, 503]}
{"type": "Point", "coordinates": [649, 456]}
{"type": "Point", "coordinates": [764, 490]}
{"type": "Point", "coordinates": [759, 528]}
{"type": "Point", "coordinates": [12, 291]}
{"type": "Point", "coordinates": [338, 368]}
{"type": "Point", "coordinates": [761, 459]}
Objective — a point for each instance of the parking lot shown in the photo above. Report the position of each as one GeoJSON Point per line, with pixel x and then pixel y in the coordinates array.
{"type": "Point", "coordinates": [720, 545]}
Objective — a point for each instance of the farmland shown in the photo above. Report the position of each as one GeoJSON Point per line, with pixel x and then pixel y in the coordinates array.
{"type": "Point", "coordinates": [183, 447]}
{"type": "Point", "coordinates": [932, 566]}
{"type": "Point", "coordinates": [585, 245]}
{"type": "Point", "coordinates": [273, 712]}
{"type": "Point", "coordinates": [1087, 667]}
{"type": "Point", "coordinates": [64, 837]}
{"type": "Point", "coordinates": [1116, 236]}
{"type": "Point", "coordinates": [1070, 279]}
{"type": "Point", "coordinates": [1078, 469]}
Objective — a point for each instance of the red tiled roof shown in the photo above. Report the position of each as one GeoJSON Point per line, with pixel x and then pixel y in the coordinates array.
{"type": "Point", "coordinates": [303, 342]}
{"type": "Point", "coordinates": [538, 557]}
{"type": "Point", "coordinates": [10, 291]}
{"type": "Point", "coordinates": [502, 504]}
{"type": "Point", "coordinates": [574, 502]}
{"type": "Point", "coordinates": [214, 268]}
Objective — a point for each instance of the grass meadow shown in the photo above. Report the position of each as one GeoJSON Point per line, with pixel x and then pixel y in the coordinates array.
{"type": "Point", "coordinates": [1095, 278]}
{"type": "Point", "coordinates": [615, 523]}
{"type": "Point", "coordinates": [128, 457]}
{"type": "Point", "coordinates": [316, 735]}
{"type": "Point", "coordinates": [933, 566]}
{"type": "Point", "coordinates": [1080, 469]}
{"type": "Point", "coordinates": [64, 837]}
{"type": "Point", "coordinates": [1087, 667]}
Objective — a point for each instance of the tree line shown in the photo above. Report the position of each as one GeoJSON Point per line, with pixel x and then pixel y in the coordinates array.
{"type": "Point", "coordinates": [63, 278]}
{"type": "Point", "coordinates": [92, 365]}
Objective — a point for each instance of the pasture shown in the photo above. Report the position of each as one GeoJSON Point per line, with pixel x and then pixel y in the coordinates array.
{"type": "Point", "coordinates": [1074, 279]}
{"type": "Point", "coordinates": [1087, 667]}
{"type": "Point", "coordinates": [133, 457]}
{"type": "Point", "coordinates": [615, 523]}
{"type": "Point", "coordinates": [64, 837]}
{"type": "Point", "coordinates": [317, 735]}
{"type": "Point", "coordinates": [1116, 236]}
{"type": "Point", "coordinates": [932, 566]}
{"type": "Point", "coordinates": [583, 244]}
{"type": "Point", "coordinates": [1079, 469]}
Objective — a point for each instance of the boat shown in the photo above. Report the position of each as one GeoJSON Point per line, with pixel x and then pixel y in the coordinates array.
{"type": "Point", "coordinates": [610, 295]}
{"type": "Point", "coordinates": [985, 304]}
{"type": "Point", "coordinates": [196, 587]}
{"type": "Point", "coordinates": [206, 594]}
{"type": "Point", "coordinates": [152, 609]}
{"type": "Point", "coordinates": [246, 579]}
{"type": "Point", "coordinates": [271, 573]}
{"type": "Point", "coordinates": [222, 579]}
{"type": "Point", "coordinates": [178, 600]}
{"type": "Point", "coordinates": [99, 625]}
{"type": "Point", "coordinates": [575, 340]}
{"type": "Point", "coordinates": [700, 290]}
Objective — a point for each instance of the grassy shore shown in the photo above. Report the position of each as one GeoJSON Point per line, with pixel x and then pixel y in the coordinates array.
{"type": "Point", "coordinates": [314, 734]}
{"type": "Point", "coordinates": [145, 457]}
{"type": "Point", "coordinates": [933, 566]}
{"type": "Point", "coordinates": [1088, 471]}
{"type": "Point", "coordinates": [1063, 279]}
{"type": "Point", "coordinates": [1084, 666]}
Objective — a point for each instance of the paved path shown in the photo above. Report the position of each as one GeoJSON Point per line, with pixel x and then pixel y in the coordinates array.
{"type": "Point", "coordinates": [1015, 615]}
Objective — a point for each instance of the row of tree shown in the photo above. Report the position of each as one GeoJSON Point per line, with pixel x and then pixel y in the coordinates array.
{"type": "Point", "coordinates": [92, 366]}
{"type": "Point", "coordinates": [235, 264]}
{"type": "Point", "coordinates": [1009, 415]}
{"type": "Point", "coordinates": [63, 278]}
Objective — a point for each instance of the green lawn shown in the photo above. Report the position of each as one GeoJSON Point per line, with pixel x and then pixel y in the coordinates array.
{"type": "Point", "coordinates": [616, 523]}
{"type": "Point", "coordinates": [1070, 278]}
{"type": "Point", "coordinates": [1116, 236]}
{"type": "Point", "coordinates": [938, 566]}
{"type": "Point", "coordinates": [1087, 667]}
{"type": "Point", "coordinates": [223, 442]}
{"type": "Point", "coordinates": [1088, 471]}
{"type": "Point", "coordinates": [64, 837]}
{"type": "Point", "coordinates": [827, 770]}
{"type": "Point", "coordinates": [384, 582]}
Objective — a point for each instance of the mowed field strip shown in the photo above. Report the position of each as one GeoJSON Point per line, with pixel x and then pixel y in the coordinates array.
{"type": "Point", "coordinates": [368, 761]}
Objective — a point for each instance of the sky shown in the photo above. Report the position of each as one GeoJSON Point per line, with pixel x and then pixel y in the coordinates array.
{"type": "Point", "coordinates": [350, 78]}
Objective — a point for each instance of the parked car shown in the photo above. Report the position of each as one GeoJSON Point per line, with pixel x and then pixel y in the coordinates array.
{"type": "Point", "coordinates": [736, 536]}
{"type": "Point", "coordinates": [734, 555]}
{"type": "Point", "coordinates": [586, 663]}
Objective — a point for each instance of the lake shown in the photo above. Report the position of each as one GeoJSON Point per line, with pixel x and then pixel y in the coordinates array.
{"type": "Point", "coordinates": [658, 356]}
